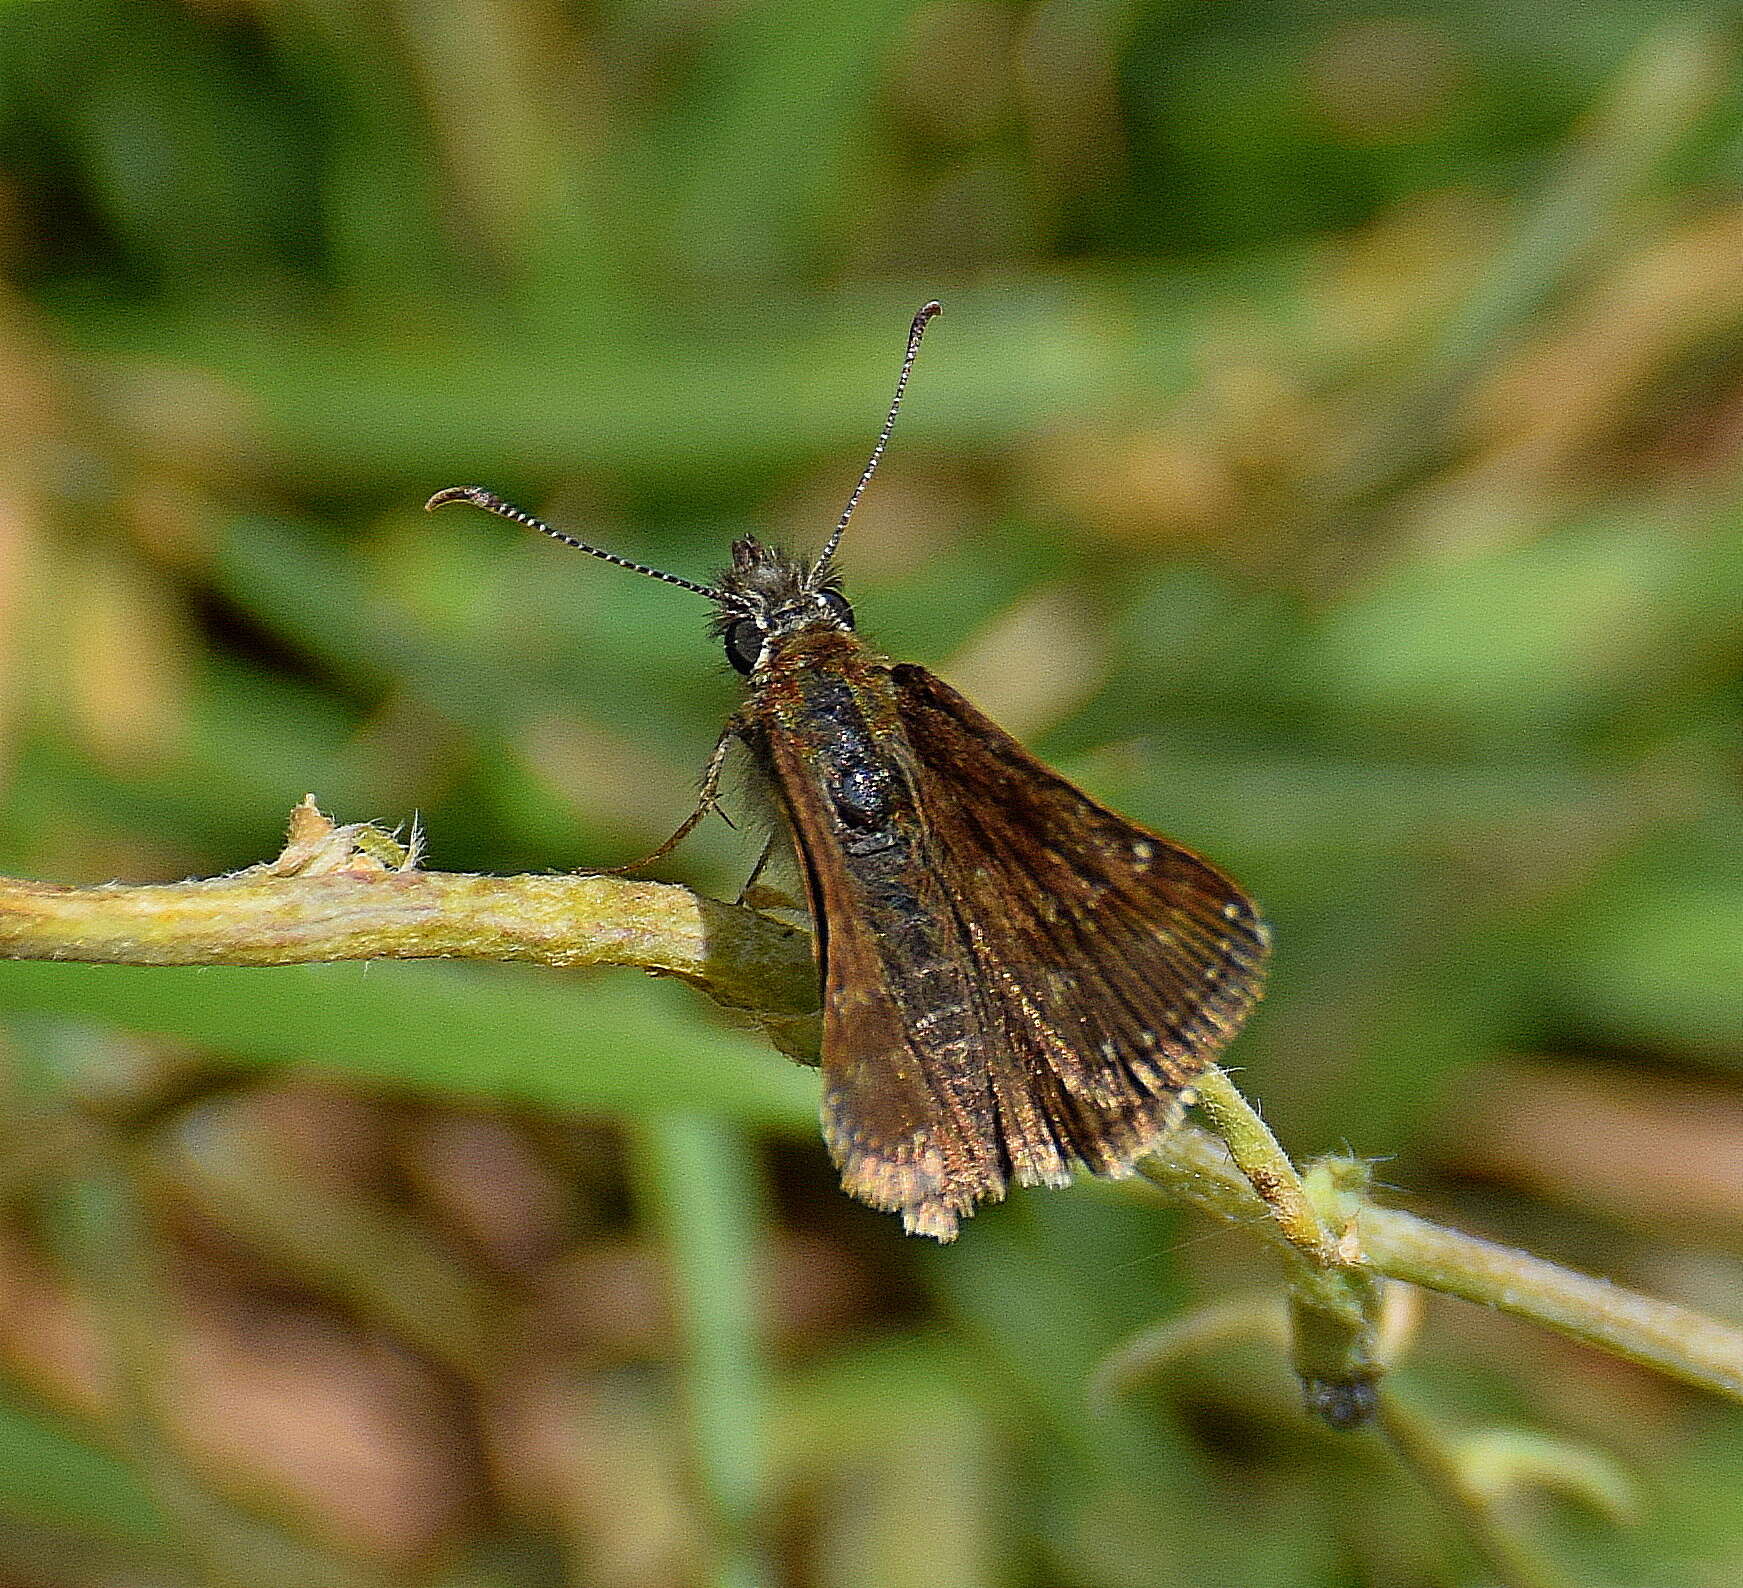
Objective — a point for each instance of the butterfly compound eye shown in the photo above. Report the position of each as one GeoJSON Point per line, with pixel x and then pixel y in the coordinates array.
{"type": "Point", "coordinates": [837, 604]}
{"type": "Point", "coordinates": [744, 643]}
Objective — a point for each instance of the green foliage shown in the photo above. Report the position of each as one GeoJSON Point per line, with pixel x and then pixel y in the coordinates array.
{"type": "Point", "coordinates": [1329, 454]}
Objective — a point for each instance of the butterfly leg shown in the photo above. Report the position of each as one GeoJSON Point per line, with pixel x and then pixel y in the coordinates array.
{"type": "Point", "coordinates": [756, 871]}
{"type": "Point", "coordinates": [707, 800]}
{"type": "Point", "coordinates": [766, 897]}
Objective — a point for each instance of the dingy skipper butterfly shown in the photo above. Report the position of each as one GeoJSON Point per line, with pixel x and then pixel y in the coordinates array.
{"type": "Point", "coordinates": [1015, 979]}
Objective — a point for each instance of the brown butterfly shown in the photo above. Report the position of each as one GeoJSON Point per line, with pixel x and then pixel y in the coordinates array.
{"type": "Point", "coordinates": [1015, 978]}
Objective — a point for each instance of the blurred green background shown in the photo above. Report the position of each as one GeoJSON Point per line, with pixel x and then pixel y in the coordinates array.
{"type": "Point", "coordinates": [1330, 454]}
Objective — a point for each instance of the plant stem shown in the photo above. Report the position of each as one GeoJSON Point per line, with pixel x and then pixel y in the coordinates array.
{"type": "Point", "coordinates": [1268, 1169]}
{"type": "Point", "coordinates": [1685, 1345]}
{"type": "Point", "coordinates": [1334, 1299]}
{"type": "Point", "coordinates": [746, 961]}
{"type": "Point", "coordinates": [1193, 1166]}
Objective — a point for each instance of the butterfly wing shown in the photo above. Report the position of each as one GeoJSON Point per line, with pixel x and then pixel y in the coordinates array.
{"type": "Point", "coordinates": [1146, 959]}
{"type": "Point", "coordinates": [1016, 979]}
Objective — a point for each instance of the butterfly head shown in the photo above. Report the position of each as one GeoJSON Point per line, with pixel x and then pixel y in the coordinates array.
{"type": "Point", "coordinates": [765, 594]}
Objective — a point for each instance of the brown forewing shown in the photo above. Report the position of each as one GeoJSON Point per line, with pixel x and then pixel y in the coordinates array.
{"type": "Point", "coordinates": [1016, 979]}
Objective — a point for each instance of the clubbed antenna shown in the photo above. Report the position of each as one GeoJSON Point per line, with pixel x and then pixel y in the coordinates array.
{"type": "Point", "coordinates": [492, 503]}
{"type": "Point", "coordinates": [915, 332]}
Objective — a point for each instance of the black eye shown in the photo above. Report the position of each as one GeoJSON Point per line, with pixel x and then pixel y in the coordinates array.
{"type": "Point", "coordinates": [744, 643]}
{"type": "Point", "coordinates": [837, 603]}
